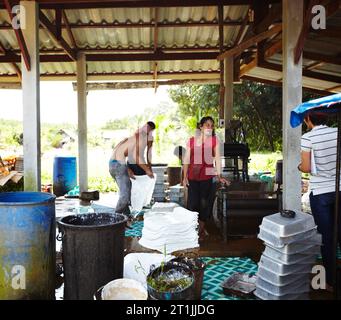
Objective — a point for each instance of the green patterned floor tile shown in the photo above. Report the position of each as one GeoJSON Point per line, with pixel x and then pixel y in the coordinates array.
{"type": "Point", "coordinates": [217, 270]}
{"type": "Point", "coordinates": [136, 230]}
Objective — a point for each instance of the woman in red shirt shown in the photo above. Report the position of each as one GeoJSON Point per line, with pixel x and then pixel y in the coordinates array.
{"type": "Point", "coordinates": [201, 164]}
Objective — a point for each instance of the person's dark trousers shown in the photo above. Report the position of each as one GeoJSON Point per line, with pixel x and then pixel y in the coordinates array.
{"type": "Point", "coordinates": [322, 208]}
{"type": "Point", "coordinates": [137, 170]}
{"type": "Point", "coordinates": [212, 197]}
{"type": "Point", "coordinates": [199, 197]}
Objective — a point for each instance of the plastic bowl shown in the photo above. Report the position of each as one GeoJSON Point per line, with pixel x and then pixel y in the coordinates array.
{"type": "Point", "coordinates": [124, 289]}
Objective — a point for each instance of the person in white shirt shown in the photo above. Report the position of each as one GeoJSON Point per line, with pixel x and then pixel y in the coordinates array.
{"type": "Point", "coordinates": [318, 157]}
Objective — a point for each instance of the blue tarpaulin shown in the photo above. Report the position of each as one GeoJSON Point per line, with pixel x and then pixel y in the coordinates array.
{"type": "Point", "coordinates": [297, 115]}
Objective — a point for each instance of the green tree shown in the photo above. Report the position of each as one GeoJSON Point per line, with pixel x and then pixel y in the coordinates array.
{"type": "Point", "coordinates": [257, 106]}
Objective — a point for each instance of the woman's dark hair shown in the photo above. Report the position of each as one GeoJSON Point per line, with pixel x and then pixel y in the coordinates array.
{"type": "Point", "coordinates": [204, 120]}
{"type": "Point", "coordinates": [151, 124]}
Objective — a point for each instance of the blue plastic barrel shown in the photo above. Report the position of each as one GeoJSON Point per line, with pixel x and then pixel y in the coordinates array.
{"type": "Point", "coordinates": [64, 175]}
{"type": "Point", "coordinates": [27, 245]}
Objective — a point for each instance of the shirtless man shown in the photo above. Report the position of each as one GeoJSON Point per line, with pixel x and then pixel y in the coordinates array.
{"type": "Point", "coordinates": [131, 149]}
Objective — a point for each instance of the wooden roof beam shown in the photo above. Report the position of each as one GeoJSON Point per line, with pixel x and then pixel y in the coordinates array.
{"type": "Point", "coordinates": [58, 23]}
{"type": "Point", "coordinates": [220, 10]}
{"type": "Point", "coordinates": [188, 75]}
{"type": "Point", "coordinates": [14, 65]}
{"type": "Point", "coordinates": [305, 73]}
{"type": "Point", "coordinates": [330, 32]}
{"type": "Point", "coordinates": [51, 28]}
{"type": "Point", "coordinates": [20, 38]}
{"type": "Point", "coordinates": [248, 67]}
{"type": "Point", "coordinates": [279, 84]}
{"type": "Point", "coordinates": [241, 32]}
{"type": "Point", "coordinates": [69, 30]}
{"type": "Point", "coordinates": [155, 44]}
{"type": "Point", "coordinates": [152, 57]}
{"type": "Point", "coordinates": [322, 58]}
{"type": "Point", "coordinates": [251, 41]}
{"type": "Point", "coordinates": [335, 89]}
{"type": "Point", "coordinates": [272, 49]}
{"type": "Point", "coordinates": [91, 4]}
{"type": "Point", "coordinates": [139, 84]}
{"type": "Point", "coordinates": [305, 30]}
{"type": "Point", "coordinates": [129, 50]}
{"type": "Point", "coordinates": [264, 18]}
{"type": "Point", "coordinates": [161, 24]}
{"type": "Point", "coordinates": [274, 13]}
{"type": "Point", "coordinates": [120, 57]}
{"type": "Point", "coordinates": [314, 65]}
{"type": "Point", "coordinates": [332, 7]}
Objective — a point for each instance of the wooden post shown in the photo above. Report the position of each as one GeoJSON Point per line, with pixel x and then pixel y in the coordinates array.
{"type": "Point", "coordinates": [228, 101]}
{"type": "Point", "coordinates": [292, 96]}
{"type": "Point", "coordinates": [31, 99]}
{"type": "Point", "coordinates": [82, 123]}
{"type": "Point", "coordinates": [221, 63]}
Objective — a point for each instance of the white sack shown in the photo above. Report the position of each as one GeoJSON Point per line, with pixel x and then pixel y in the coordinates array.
{"type": "Point", "coordinates": [141, 191]}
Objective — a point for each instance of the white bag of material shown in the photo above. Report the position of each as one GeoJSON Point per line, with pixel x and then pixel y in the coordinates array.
{"type": "Point", "coordinates": [142, 188]}
{"type": "Point", "coordinates": [137, 265]}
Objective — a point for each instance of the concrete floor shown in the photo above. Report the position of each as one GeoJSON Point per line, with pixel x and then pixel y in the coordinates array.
{"type": "Point", "coordinates": [213, 245]}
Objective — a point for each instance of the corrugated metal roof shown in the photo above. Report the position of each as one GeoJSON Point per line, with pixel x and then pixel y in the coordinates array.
{"type": "Point", "coordinates": [102, 38]}
{"type": "Point", "coordinates": [106, 36]}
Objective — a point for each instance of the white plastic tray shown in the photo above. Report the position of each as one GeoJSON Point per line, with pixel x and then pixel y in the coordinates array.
{"type": "Point", "coordinates": [278, 280]}
{"type": "Point", "coordinates": [284, 269]}
{"type": "Point", "coordinates": [280, 242]}
{"type": "Point", "coordinates": [285, 227]}
{"type": "Point", "coordinates": [289, 258]}
{"type": "Point", "coordinates": [300, 247]}
{"type": "Point", "coordinates": [264, 295]}
{"type": "Point", "coordinates": [297, 288]}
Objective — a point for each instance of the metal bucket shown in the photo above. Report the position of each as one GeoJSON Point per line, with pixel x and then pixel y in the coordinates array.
{"type": "Point", "coordinates": [197, 266]}
{"type": "Point", "coordinates": [184, 294]}
{"type": "Point", "coordinates": [27, 245]}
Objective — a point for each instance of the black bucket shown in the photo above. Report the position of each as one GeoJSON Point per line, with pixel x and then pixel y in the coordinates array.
{"type": "Point", "coordinates": [93, 248]}
{"type": "Point", "coordinates": [197, 266]}
{"type": "Point", "coordinates": [182, 294]}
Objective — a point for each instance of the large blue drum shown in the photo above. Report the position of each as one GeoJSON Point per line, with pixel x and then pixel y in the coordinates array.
{"type": "Point", "coordinates": [64, 175]}
{"type": "Point", "coordinates": [27, 245]}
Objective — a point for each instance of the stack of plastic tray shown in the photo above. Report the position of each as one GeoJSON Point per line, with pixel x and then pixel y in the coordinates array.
{"type": "Point", "coordinates": [177, 194]}
{"type": "Point", "coordinates": [159, 189]}
{"type": "Point", "coordinates": [292, 245]}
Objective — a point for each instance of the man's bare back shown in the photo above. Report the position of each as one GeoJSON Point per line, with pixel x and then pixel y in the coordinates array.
{"type": "Point", "coordinates": [133, 148]}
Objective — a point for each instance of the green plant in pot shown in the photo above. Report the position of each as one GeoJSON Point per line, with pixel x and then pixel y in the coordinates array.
{"type": "Point", "coordinates": [170, 281]}
{"type": "Point", "coordinates": [197, 266]}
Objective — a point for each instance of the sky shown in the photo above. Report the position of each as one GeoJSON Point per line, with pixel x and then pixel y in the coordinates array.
{"type": "Point", "coordinates": [58, 103]}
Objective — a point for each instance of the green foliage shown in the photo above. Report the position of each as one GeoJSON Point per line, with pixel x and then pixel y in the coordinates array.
{"type": "Point", "coordinates": [56, 140]}
{"type": "Point", "coordinates": [195, 102]}
{"type": "Point", "coordinates": [9, 133]}
{"type": "Point", "coordinates": [103, 184]}
{"type": "Point", "coordinates": [264, 161]}
{"type": "Point", "coordinates": [117, 124]}
{"type": "Point", "coordinates": [258, 106]}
